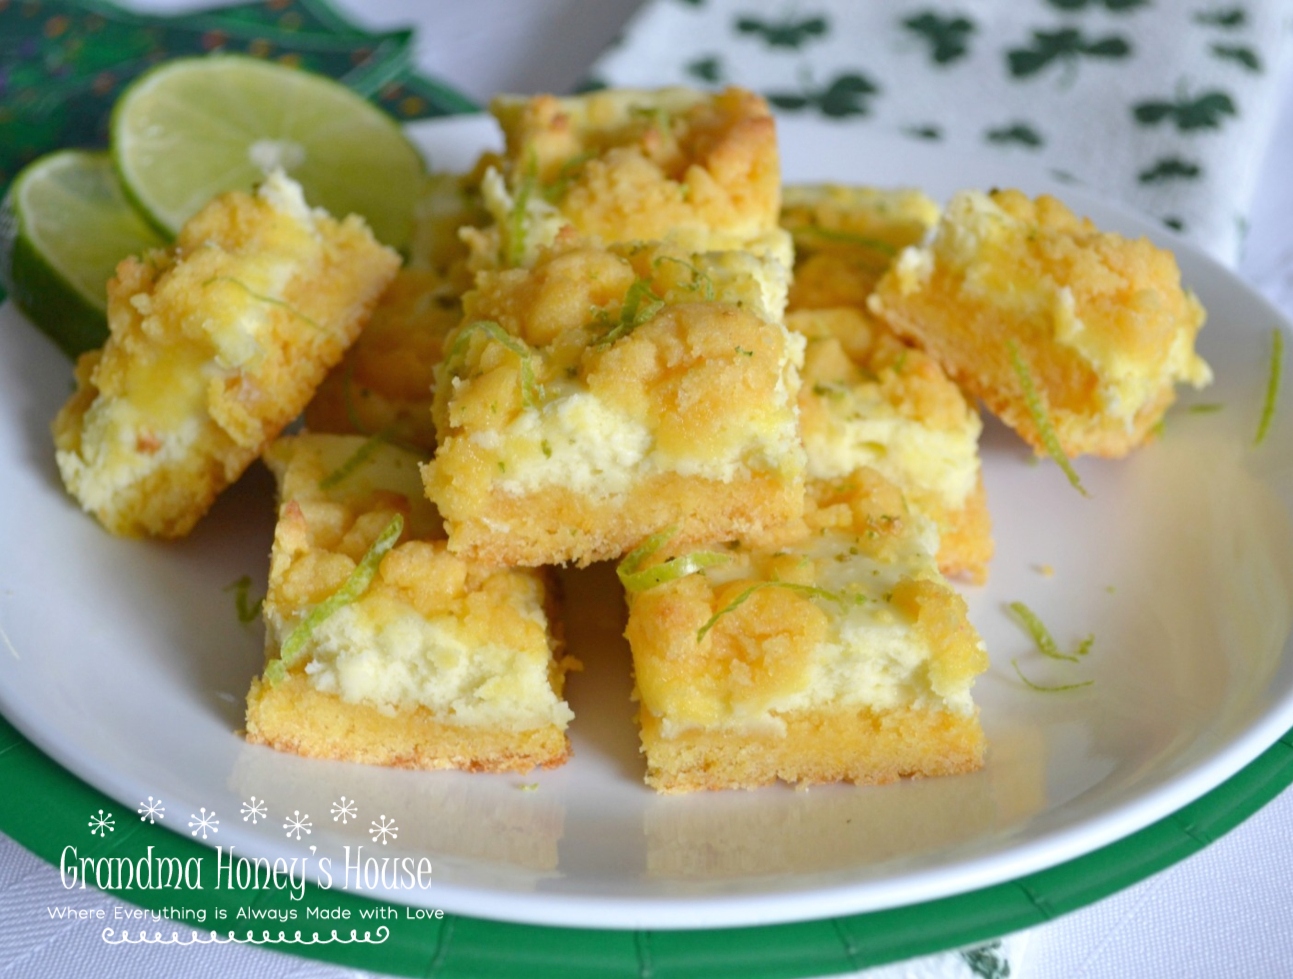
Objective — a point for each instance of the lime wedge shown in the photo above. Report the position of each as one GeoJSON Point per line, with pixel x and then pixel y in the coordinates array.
{"type": "Point", "coordinates": [64, 226]}
{"type": "Point", "coordinates": [197, 127]}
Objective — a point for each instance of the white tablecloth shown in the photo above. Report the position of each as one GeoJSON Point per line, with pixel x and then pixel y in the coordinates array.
{"type": "Point", "coordinates": [1226, 912]}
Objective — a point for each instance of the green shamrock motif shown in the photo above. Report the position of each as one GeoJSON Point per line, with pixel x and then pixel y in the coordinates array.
{"type": "Point", "coordinates": [1066, 46]}
{"type": "Point", "coordinates": [1227, 18]}
{"type": "Point", "coordinates": [707, 69]}
{"type": "Point", "coordinates": [947, 36]}
{"type": "Point", "coordinates": [1113, 6]}
{"type": "Point", "coordinates": [1241, 54]}
{"type": "Point", "coordinates": [986, 961]}
{"type": "Point", "coordinates": [928, 132]}
{"type": "Point", "coordinates": [1207, 111]}
{"type": "Point", "coordinates": [785, 34]}
{"type": "Point", "coordinates": [1019, 133]}
{"type": "Point", "coordinates": [847, 95]}
{"type": "Point", "coordinates": [1170, 168]}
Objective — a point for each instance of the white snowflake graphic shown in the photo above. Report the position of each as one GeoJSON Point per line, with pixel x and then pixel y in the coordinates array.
{"type": "Point", "coordinates": [254, 809]}
{"type": "Point", "coordinates": [203, 824]}
{"type": "Point", "coordinates": [152, 810]}
{"type": "Point", "coordinates": [297, 824]}
{"type": "Point", "coordinates": [345, 810]}
{"type": "Point", "coordinates": [383, 828]}
{"type": "Point", "coordinates": [102, 824]}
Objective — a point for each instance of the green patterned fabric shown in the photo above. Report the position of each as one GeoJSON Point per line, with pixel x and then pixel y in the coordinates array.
{"type": "Point", "coordinates": [1166, 105]}
{"type": "Point", "coordinates": [63, 63]}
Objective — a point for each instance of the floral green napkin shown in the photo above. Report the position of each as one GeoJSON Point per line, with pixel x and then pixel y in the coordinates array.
{"type": "Point", "coordinates": [1166, 105]}
{"type": "Point", "coordinates": [63, 63]}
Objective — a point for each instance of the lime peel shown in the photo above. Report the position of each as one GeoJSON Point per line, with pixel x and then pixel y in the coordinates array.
{"type": "Point", "coordinates": [810, 591]}
{"type": "Point", "coordinates": [248, 611]}
{"type": "Point", "coordinates": [635, 579]}
{"type": "Point", "coordinates": [1042, 637]}
{"type": "Point", "coordinates": [262, 297]}
{"type": "Point", "coordinates": [356, 459]}
{"type": "Point", "coordinates": [1272, 385]}
{"type": "Point", "coordinates": [531, 391]}
{"type": "Point", "coordinates": [1059, 688]}
{"type": "Point", "coordinates": [351, 589]}
{"type": "Point", "coordinates": [640, 305]}
{"type": "Point", "coordinates": [1036, 405]}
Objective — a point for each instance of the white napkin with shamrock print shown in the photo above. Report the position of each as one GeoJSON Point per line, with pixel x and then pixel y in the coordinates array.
{"type": "Point", "coordinates": [1165, 105]}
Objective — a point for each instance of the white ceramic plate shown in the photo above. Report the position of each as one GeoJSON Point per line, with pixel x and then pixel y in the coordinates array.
{"type": "Point", "coordinates": [125, 662]}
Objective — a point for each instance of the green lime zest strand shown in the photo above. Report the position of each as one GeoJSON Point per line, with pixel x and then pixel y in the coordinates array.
{"type": "Point", "coordinates": [248, 611]}
{"type": "Point", "coordinates": [851, 238]}
{"type": "Point", "coordinates": [1272, 385]}
{"type": "Point", "coordinates": [640, 305]}
{"type": "Point", "coordinates": [811, 591]}
{"type": "Point", "coordinates": [516, 233]}
{"type": "Point", "coordinates": [1206, 408]}
{"type": "Point", "coordinates": [1041, 417]}
{"type": "Point", "coordinates": [531, 391]}
{"type": "Point", "coordinates": [351, 589]}
{"type": "Point", "coordinates": [560, 185]}
{"type": "Point", "coordinates": [1048, 689]}
{"type": "Point", "coordinates": [635, 579]}
{"type": "Point", "coordinates": [356, 459]}
{"type": "Point", "coordinates": [262, 297]}
{"type": "Point", "coordinates": [1042, 637]}
{"type": "Point", "coordinates": [700, 280]}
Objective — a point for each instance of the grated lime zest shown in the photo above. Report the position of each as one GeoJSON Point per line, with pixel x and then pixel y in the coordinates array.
{"type": "Point", "coordinates": [1036, 405]}
{"type": "Point", "coordinates": [351, 589]}
{"type": "Point", "coordinates": [810, 591]}
{"type": "Point", "coordinates": [1272, 385]}
{"type": "Point", "coordinates": [1059, 688]}
{"type": "Point", "coordinates": [248, 611]}
{"type": "Point", "coordinates": [531, 390]}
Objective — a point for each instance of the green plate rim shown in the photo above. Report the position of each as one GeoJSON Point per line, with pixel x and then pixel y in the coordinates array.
{"type": "Point", "coordinates": [457, 947]}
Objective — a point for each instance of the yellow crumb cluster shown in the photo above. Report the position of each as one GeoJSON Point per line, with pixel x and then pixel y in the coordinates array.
{"type": "Point", "coordinates": [215, 345]}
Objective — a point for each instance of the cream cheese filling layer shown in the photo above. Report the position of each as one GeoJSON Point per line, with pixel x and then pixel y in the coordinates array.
{"type": "Point", "coordinates": [380, 652]}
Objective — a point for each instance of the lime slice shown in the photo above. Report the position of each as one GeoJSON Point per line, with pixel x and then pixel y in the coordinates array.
{"type": "Point", "coordinates": [64, 226]}
{"type": "Point", "coordinates": [197, 127]}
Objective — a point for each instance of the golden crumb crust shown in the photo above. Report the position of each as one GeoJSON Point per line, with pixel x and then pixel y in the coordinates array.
{"type": "Point", "coordinates": [1099, 324]}
{"type": "Point", "coordinates": [862, 746]}
{"type": "Point", "coordinates": [294, 717]}
{"type": "Point", "coordinates": [215, 345]}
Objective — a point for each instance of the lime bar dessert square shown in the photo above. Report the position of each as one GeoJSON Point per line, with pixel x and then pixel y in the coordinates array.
{"type": "Point", "coordinates": [384, 382]}
{"type": "Point", "coordinates": [843, 656]}
{"type": "Point", "coordinates": [698, 169]}
{"type": "Point", "coordinates": [604, 393]}
{"type": "Point", "coordinates": [868, 399]}
{"type": "Point", "coordinates": [384, 648]}
{"type": "Point", "coordinates": [845, 238]}
{"type": "Point", "coordinates": [215, 345]}
{"type": "Point", "coordinates": [1072, 336]}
